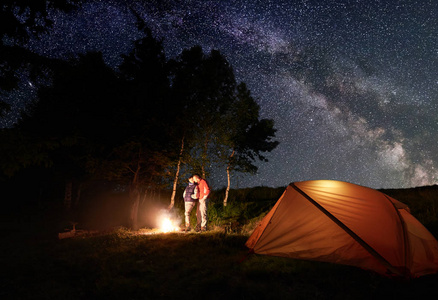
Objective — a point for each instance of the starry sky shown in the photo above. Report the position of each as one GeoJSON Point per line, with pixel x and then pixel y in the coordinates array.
{"type": "Point", "coordinates": [352, 85]}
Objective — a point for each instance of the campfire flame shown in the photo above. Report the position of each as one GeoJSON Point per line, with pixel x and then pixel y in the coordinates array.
{"type": "Point", "coordinates": [165, 222]}
{"type": "Point", "coordinates": [166, 225]}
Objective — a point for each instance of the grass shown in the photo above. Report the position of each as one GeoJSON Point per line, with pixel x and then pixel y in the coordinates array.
{"type": "Point", "coordinates": [123, 264]}
{"type": "Point", "coordinates": [133, 265]}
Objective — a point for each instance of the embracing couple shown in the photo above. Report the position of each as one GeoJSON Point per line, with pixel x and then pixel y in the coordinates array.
{"type": "Point", "coordinates": [196, 193]}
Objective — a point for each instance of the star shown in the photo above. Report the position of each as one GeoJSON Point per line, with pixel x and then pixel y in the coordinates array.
{"type": "Point", "coordinates": [351, 86]}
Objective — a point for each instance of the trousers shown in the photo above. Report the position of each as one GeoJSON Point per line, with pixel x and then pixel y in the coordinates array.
{"type": "Point", "coordinates": [188, 206]}
{"type": "Point", "coordinates": [201, 213]}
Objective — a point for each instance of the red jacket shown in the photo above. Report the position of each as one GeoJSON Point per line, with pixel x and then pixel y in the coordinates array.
{"type": "Point", "coordinates": [204, 189]}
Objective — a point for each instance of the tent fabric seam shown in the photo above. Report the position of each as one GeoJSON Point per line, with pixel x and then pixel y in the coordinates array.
{"type": "Point", "coordinates": [361, 242]}
{"type": "Point", "coordinates": [405, 233]}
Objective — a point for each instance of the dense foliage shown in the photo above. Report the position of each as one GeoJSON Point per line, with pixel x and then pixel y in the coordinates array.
{"type": "Point", "coordinates": [139, 126]}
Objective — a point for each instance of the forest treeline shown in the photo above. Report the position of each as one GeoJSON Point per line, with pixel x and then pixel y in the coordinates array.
{"type": "Point", "coordinates": [140, 126]}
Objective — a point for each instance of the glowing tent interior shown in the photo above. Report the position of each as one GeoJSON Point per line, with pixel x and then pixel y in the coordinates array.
{"type": "Point", "coordinates": [344, 223]}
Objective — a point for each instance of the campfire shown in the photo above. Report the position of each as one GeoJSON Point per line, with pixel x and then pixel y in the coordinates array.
{"type": "Point", "coordinates": [162, 221]}
{"type": "Point", "coordinates": [166, 224]}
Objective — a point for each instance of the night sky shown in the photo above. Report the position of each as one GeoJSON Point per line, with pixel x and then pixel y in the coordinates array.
{"type": "Point", "coordinates": [351, 85]}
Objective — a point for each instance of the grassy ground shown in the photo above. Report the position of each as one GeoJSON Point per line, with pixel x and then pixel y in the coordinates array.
{"type": "Point", "coordinates": [212, 265]}
{"type": "Point", "coordinates": [122, 264]}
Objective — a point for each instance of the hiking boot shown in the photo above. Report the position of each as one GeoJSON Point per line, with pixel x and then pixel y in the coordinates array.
{"type": "Point", "coordinates": [198, 228]}
{"type": "Point", "coordinates": [186, 229]}
{"type": "Point", "coordinates": [203, 229]}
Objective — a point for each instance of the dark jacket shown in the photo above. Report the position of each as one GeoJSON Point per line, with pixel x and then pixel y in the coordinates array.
{"type": "Point", "coordinates": [191, 189]}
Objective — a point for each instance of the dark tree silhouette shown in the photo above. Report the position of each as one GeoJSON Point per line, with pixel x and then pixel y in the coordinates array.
{"type": "Point", "coordinates": [205, 85]}
{"type": "Point", "coordinates": [152, 113]}
{"type": "Point", "coordinates": [105, 124]}
{"type": "Point", "coordinates": [19, 21]}
{"type": "Point", "coordinates": [220, 119]}
{"type": "Point", "coordinates": [243, 136]}
{"type": "Point", "coordinates": [137, 125]}
{"type": "Point", "coordinates": [77, 115]}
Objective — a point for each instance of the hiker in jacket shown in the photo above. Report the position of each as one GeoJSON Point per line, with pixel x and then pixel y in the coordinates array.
{"type": "Point", "coordinates": [190, 195]}
{"type": "Point", "coordinates": [201, 213]}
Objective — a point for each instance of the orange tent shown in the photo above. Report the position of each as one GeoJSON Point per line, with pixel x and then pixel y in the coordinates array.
{"type": "Point", "coordinates": [344, 223]}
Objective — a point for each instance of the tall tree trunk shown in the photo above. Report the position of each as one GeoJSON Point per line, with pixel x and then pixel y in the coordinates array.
{"type": "Point", "coordinates": [134, 194]}
{"type": "Point", "coordinates": [144, 197]}
{"type": "Point", "coordinates": [68, 193]}
{"type": "Point", "coordinates": [175, 181]}
{"type": "Point", "coordinates": [205, 154]}
{"type": "Point", "coordinates": [78, 194]}
{"type": "Point", "coordinates": [228, 179]}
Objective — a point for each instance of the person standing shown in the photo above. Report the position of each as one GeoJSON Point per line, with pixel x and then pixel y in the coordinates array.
{"type": "Point", "coordinates": [204, 191]}
{"type": "Point", "coordinates": [190, 195]}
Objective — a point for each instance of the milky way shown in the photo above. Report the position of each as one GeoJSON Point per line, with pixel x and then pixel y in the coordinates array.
{"type": "Point", "coordinates": [351, 85]}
